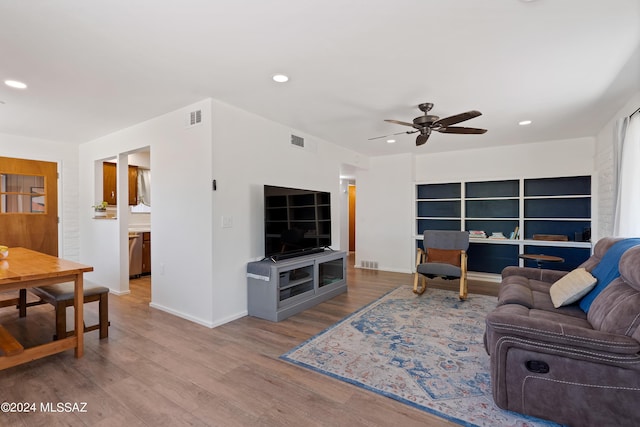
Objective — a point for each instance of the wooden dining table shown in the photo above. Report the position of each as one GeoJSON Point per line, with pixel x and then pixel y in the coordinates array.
{"type": "Point", "coordinates": [23, 269]}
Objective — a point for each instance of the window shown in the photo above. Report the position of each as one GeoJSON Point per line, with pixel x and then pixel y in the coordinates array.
{"type": "Point", "coordinates": [627, 208]}
{"type": "Point", "coordinates": [22, 194]}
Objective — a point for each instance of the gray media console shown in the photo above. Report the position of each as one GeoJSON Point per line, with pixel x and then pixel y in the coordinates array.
{"type": "Point", "coordinates": [277, 290]}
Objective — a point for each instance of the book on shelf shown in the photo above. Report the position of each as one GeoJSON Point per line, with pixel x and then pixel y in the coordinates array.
{"type": "Point", "coordinates": [477, 234]}
{"type": "Point", "coordinates": [497, 235]}
{"type": "Point", "coordinates": [516, 233]}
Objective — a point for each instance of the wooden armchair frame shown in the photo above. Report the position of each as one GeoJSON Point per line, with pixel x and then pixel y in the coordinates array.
{"type": "Point", "coordinates": [421, 280]}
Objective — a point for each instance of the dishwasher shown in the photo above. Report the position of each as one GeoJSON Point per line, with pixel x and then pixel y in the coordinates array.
{"type": "Point", "coordinates": [135, 255]}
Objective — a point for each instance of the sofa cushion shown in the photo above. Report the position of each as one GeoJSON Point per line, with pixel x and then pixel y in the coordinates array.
{"type": "Point", "coordinates": [533, 294]}
{"type": "Point", "coordinates": [571, 287]}
{"type": "Point", "coordinates": [617, 307]}
{"type": "Point", "coordinates": [628, 266]}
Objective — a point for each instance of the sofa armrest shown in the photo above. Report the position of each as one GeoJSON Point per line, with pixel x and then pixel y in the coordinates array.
{"type": "Point", "coordinates": [543, 332]}
{"type": "Point", "coordinates": [541, 274]}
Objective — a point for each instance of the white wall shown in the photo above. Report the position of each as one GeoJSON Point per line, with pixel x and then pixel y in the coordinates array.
{"type": "Point", "coordinates": [181, 254]}
{"type": "Point", "coordinates": [605, 168]}
{"type": "Point", "coordinates": [536, 160]}
{"type": "Point", "coordinates": [249, 152]}
{"type": "Point", "coordinates": [66, 155]}
{"type": "Point", "coordinates": [385, 204]}
{"type": "Point", "coordinates": [384, 213]}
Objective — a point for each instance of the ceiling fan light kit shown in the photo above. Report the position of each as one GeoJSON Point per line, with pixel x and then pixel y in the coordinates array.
{"type": "Point", "coordinates": [428, 122]}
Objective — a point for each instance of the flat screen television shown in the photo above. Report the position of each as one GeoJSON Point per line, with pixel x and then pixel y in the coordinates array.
{"type": "Point", "coordinates": [296, 221]}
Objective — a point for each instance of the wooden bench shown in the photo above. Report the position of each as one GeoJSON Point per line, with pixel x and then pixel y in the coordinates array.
{"type": "Point", "coordinates": [9, 346]}
{"type": "Point", "coordinates": [20, 302]}
{"type": "Point", "coordinates": [61, 296]}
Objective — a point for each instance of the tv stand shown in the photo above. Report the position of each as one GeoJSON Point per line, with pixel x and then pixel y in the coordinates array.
{"type": "Point", "coordinates": [278, 289]}
{"type": "Point", "coordinates": [282, 257]}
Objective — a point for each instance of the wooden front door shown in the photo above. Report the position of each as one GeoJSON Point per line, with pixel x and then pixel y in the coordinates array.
{"type": "Point", "coordinates": [352, 218]}
{"type": "Point", "coordinates": [29, 205]}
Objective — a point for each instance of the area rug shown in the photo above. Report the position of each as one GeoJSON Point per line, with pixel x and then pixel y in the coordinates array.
{"type": "Point", "coordinates": [425, 351]}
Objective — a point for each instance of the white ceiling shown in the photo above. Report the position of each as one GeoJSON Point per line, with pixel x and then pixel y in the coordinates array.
{"type": "Point", "coordinates": [94, 67]}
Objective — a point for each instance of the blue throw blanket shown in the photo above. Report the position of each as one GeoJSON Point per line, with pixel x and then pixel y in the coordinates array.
{"type": "Point", "coordinates": [607, 270]}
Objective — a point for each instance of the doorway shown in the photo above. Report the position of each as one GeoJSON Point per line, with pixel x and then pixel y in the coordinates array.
{"type": "Point", "coordinates": [29, 204]}
{"type": "Point", "coordinates": [352, 217]}
{"type": "Point", "coordinates": [139, 222]}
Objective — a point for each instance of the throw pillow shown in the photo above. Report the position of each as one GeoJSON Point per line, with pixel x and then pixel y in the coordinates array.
{"type": "Point", "coordinates": [572, 287]}
{"type": "Point", "coordinates": [445, 256]}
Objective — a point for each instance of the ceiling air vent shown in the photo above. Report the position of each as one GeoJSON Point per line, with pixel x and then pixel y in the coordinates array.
{"type": "Point", "coordinates": [194, 118]}
{"type": "Point", "coordinates": [298, 141]}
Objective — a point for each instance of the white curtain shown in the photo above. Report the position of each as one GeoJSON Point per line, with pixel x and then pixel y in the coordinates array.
{"type": "Point", "coordinates": [627, 209]}
{"type": "Point", "coordinates": [144, 186]}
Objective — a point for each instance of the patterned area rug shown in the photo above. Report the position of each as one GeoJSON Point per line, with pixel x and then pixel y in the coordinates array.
{"type": "Point", "coordinates": [426, 351]}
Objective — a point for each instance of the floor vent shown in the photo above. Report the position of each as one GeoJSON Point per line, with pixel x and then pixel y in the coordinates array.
{"type": "Point", "coordinates": [298, 141]}
{"type": "Point", "coordinates": [371, 265]}
{"type": "Point", "coordinates": [194, 118]}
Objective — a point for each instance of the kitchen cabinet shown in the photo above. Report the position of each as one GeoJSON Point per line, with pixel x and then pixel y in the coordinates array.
{"type": "Point", "coordinates": [146, 253]}
{"type": "Point", "coordinates": [110, 184]}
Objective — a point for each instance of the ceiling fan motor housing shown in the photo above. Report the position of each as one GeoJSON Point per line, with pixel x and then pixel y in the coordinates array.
{"type": "Point", "coordinates": [425, 120]}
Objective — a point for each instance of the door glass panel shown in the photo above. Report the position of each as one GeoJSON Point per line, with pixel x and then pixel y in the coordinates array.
{"type": "Point", "coordinates": [22, 194]}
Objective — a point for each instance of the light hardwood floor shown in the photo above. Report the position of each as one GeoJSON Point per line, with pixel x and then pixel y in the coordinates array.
{"type": "Point", "coordinates": [156, 369]}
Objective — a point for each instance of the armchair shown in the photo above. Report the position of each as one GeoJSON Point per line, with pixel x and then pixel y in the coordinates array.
{"type": "Point", "coordinates": [444, 255]}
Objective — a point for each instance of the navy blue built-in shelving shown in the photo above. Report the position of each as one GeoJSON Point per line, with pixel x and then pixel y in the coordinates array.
{"type": "Point", "coordinates": [537, 208]}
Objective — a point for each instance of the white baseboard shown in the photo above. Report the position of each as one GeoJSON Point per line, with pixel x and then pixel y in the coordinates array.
{"type": "Point", "coordinates": [485, 277]}
{"type": "Point", "coordinates": [197, 320]}
{"type": "Point", "coordinates": [392, 270]}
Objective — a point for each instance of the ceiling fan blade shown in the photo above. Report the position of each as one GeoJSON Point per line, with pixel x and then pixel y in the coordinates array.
{"type": "Point", "coordinates": [393, 134]}
{"type": "Point", "coordinates": [460, 129]}
{"type": "Point", "coordinates": [398, 122]}
{"type": "Point", "coordinates": [452, 120]}
{"type": "Point", "coordinates": [422, 138]}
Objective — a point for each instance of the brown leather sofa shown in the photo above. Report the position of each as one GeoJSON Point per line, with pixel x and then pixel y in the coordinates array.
{"type": "Point", "coordinates": [563, 364]}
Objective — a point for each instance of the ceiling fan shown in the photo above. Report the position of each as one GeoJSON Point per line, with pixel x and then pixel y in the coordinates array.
{"type": "Point", "coordinates": [427, 123]}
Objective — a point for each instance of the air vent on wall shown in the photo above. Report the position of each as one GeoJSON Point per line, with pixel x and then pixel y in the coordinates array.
{"type": "Point", "coordinates": [194, 118]}
{"type": "Point", "coordinates": [298, 141]}
{"type": "Point", "coordinates": [371, 265]}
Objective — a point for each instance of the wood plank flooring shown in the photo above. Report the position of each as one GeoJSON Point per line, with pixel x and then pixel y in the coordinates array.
{"type": "Point", "coordinates": [156, 369]}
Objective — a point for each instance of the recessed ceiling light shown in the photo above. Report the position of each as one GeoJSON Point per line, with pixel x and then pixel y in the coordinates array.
{"type": "Point", "coordinates": [280, 78]}
{"type": "Point", "coordinates": [524, 122]}
{"type": "Point", "coordinates": [390, 141]}
{"type": "Point", "coordinates": [15, 84]}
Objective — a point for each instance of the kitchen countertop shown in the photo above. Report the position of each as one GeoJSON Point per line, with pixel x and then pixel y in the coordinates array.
{"type": "Point", "coordinates": [140, 229]}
